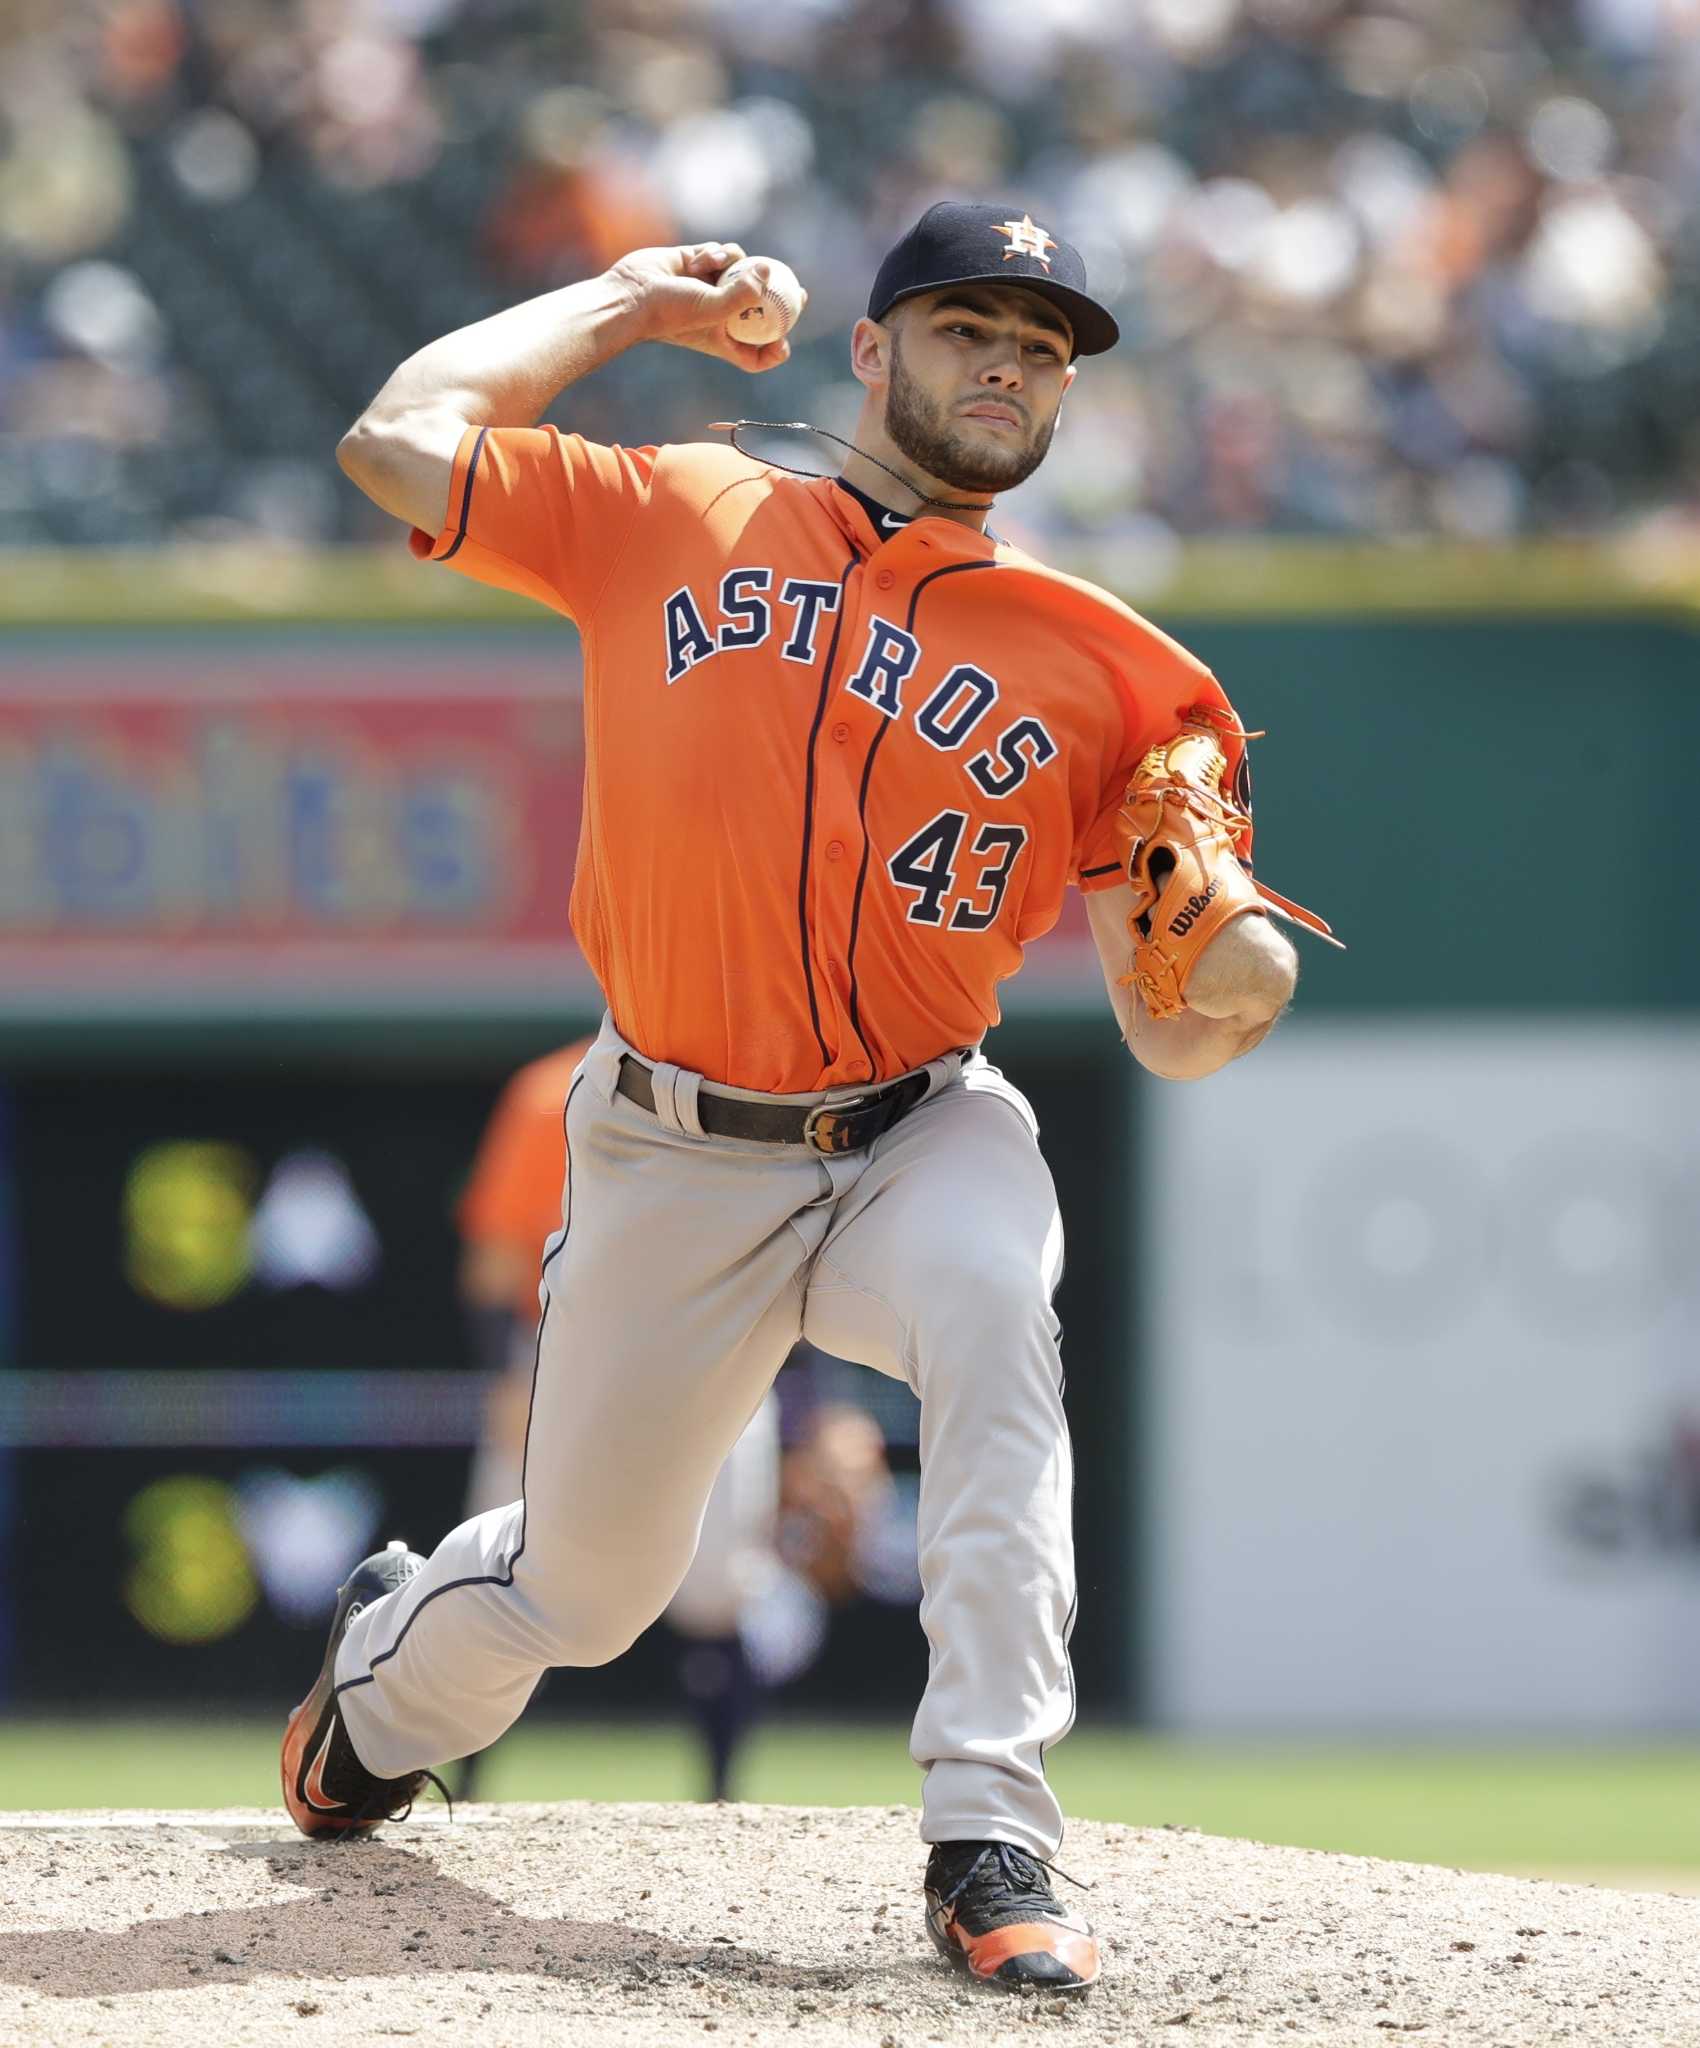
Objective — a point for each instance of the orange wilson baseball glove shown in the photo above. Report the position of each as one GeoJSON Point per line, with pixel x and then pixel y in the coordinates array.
{"type": "Point", "coordinates": [1186, 844]}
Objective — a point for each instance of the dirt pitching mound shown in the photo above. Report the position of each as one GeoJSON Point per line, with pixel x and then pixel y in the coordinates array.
{"type": "Point", "coordinates": [660, 1925]}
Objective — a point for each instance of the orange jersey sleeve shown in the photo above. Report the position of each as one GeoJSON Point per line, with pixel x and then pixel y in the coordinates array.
{"type": "Point", "coordinates": [514, 1194]}
{"type": "Point", "coordinates": [542, 513]}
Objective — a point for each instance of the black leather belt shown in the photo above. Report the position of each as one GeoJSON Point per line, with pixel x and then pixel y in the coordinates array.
{"type": "Point", "coordinates": [828, 1127]}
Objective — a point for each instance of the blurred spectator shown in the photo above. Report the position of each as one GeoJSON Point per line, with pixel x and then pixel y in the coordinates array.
{"type": "Point", "coordinates": [1386, 267]}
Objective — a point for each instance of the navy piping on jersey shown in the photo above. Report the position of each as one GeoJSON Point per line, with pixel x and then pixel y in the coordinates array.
{"type": "Point", "coordinates": [1112, 867]}
{"type": "Point", "coordinates": [493, 1578]}
{"type": "Point", "coordinates": [861, 883]}
{"type": "Point", "coordinates": [950, 569]}
{"type": "Point", "coordinates": [809, 811]}
{"type": "Point", "coordinates": [466, 497]}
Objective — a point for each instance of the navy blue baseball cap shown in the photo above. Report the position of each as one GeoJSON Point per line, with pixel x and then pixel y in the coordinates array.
{"type": "Point", "coordinates": [957, 242]}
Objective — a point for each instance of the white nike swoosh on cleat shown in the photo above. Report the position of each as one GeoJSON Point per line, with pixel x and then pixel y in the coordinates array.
{"type": "Point", "coordinates": [314, 1782]}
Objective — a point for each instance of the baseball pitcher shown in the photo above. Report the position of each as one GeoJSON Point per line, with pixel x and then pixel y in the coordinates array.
{"type": "Point", "coordinates": [845, 750]}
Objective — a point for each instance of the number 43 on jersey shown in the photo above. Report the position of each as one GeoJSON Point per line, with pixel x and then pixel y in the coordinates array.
{"type": "Point", "coordinates": [927, 864]}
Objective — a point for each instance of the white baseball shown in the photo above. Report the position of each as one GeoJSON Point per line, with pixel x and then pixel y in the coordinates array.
{"type": "Point", "coordinates": [781, 301]}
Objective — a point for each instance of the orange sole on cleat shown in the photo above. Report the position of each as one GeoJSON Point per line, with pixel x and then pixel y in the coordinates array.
{"type": "Point", "coordinates": [986, 1957]}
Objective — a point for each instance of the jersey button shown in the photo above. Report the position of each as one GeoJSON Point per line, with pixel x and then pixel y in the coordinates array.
{"type": "Point", "coordinates": [885, 579]}
{"type": "Point", "coordinates": [835, 849]}
{"type": "Point", "coordinates": [841, 732]}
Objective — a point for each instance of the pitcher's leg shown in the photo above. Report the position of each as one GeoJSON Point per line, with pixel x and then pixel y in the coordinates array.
{"type": "Point", "coordinates": [940, 1269]}
{"type": "Point", "coordinates": [670, 1303]}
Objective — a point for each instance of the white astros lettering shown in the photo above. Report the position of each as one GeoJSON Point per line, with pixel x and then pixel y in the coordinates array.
{"type": "Point", "coordinates": [746, 612]}
{"type": "Point", "coordinates": [890, 656]}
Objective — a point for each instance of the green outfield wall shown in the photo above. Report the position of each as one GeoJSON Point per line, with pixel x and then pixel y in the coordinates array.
{"type": "Point", "coordinates": [1493, 813]}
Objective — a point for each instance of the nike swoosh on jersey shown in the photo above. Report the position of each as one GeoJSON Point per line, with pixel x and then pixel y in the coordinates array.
{"type": "Point", "coordinates": [893, 519]}
{"type": "Point", "coordinates": [314, 1782]}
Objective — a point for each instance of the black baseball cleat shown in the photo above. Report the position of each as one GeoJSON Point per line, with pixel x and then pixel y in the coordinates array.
{"type": "Point", "coordinates": [991, 1912]}
{"type": "Point", "coordinates": [326, 1787]}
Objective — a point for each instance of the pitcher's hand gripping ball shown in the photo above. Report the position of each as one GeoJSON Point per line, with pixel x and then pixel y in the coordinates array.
{"type": "Point", "coordinates": [1185, 840]}
{"type": "Point", "coordinates": [781, 303]}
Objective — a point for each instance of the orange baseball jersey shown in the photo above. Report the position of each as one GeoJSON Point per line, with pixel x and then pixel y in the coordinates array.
{"type": "Point", "coordinates": [514, 1194]}
{"type": "Point", "coordinates": [836, 778]}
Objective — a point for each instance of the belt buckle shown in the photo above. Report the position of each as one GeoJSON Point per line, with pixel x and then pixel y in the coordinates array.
{"type": "Point", "coordinates": [827, 1125]}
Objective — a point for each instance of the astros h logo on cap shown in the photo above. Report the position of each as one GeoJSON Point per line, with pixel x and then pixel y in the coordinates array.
{"type": "Point", "coordinates": [1025, 239]}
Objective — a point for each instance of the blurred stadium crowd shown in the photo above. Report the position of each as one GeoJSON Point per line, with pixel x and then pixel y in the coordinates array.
{"type": "Point", "coordinates": [1396, 268]}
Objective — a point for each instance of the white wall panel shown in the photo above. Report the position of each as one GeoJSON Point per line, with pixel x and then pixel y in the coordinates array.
{"type": "Point", "coordinates": [1422, 1341]}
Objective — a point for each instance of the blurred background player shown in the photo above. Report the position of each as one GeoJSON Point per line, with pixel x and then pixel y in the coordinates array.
{"type": "Point", "coordinates": [800, 1502]}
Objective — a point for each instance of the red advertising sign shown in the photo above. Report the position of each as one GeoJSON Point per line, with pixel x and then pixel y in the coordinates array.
{"type": "Point", "coordinates": [287, 822]}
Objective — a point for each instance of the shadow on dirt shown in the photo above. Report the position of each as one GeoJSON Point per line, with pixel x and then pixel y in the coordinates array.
{"type": "Point", "coordinates": [363, 1909]}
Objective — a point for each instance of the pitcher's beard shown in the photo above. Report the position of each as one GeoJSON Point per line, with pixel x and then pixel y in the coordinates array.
{"type": "Point", "coordinates": [924, 431]}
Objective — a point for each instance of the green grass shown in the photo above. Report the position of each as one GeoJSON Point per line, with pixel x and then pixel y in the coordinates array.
{"type": "Point", "coordinates": [1562, 1810]}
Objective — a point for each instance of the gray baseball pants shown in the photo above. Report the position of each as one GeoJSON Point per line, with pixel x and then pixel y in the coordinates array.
{"type": "Point", "coordinates": [685, 1269]}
